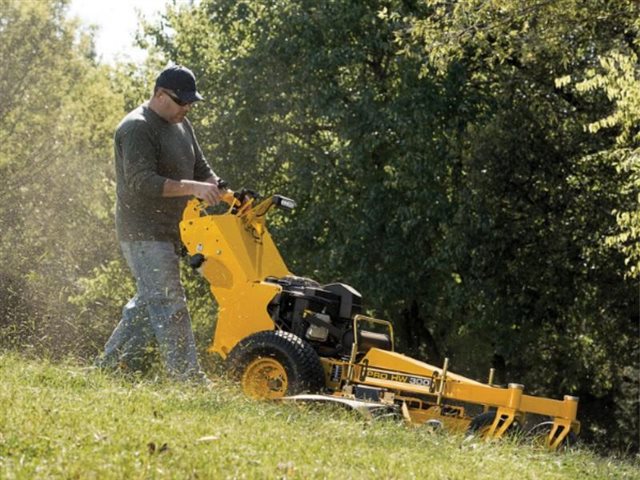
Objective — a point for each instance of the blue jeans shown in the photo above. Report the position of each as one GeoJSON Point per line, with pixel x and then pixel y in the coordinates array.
{"type": "Point", "coordinates": [157, 314]}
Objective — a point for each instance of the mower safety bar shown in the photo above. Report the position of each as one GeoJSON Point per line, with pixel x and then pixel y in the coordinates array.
{"type": "Point", "coordinates": [355, 347]}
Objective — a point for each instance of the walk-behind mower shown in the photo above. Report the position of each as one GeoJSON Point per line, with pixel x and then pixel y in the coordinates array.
{"type": "Point", "coordinates": [284, 335]}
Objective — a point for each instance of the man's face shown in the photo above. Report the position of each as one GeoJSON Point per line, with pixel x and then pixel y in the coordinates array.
{"type": "Point", "coordinates": [174, 110]}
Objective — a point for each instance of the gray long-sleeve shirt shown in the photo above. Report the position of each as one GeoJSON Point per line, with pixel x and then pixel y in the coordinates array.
{"type": "Point", "coordinates": [148, 150]}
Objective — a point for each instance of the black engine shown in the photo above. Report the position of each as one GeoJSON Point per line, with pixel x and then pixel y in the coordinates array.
{"type": "Point", "coordinates": [320, 314]}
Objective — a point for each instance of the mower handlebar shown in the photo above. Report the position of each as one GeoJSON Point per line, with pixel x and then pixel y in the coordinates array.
{"type": "Point", "coordinates": [243, 199]}
{"type": "Point", "coordinates": [245, 203]}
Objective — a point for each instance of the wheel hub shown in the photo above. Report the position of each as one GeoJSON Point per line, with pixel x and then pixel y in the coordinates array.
{"type": "Point", "coordinates": [265, 378]}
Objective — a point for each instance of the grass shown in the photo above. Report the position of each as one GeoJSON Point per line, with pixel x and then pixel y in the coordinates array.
{"type": "Point", "coordinates": [63, 421]}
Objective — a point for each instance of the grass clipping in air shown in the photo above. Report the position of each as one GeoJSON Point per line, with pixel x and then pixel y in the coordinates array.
{"type": "Point", "coordinates": [63, 421]}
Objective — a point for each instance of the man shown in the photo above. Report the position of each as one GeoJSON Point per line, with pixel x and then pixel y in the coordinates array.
{"type": "Point", "coordinates": [159, 165]}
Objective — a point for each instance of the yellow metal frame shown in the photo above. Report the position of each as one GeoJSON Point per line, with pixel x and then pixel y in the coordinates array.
{"type": "Point", "coordinates": [239, 254]}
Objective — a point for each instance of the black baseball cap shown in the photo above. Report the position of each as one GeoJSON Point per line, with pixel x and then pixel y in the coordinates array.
{"type": "Point", "coordinates": [181, 80]}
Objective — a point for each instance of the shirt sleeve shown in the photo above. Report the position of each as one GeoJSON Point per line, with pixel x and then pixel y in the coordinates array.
{"type": "Point", "coordinates": [139, 160]}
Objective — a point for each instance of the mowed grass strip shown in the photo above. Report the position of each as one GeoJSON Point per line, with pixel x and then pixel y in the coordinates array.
{"type": "Point", "coordinates": [63, 421]}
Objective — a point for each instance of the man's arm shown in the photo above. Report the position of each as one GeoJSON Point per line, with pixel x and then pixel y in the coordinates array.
{"type": "Point", "coordinates": [213, 179]}
{"type": "Point", "coordinates": [207, 190]}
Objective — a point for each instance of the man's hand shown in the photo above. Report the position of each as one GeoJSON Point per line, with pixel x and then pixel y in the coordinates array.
{"type": "Point", "coordinates": [206, 191]}
{"type": "Point", "coordinates": [209, 192]}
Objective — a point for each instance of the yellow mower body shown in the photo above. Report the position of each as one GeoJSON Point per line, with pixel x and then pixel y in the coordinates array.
{"type": "Point", "coordinates": [237, 259]}
{"type": "Point", "coordinates": [282, 333]}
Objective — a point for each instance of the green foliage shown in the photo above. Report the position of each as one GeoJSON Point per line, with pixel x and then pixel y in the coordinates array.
{"type": "Point", "coordinates": [58, 112]}
{"type": "Point", "coordinates": [542, 197]}
{"type": "Point", "coordinates": [51, 428]}
{"type": "Point", "coordinates": [619, 78]}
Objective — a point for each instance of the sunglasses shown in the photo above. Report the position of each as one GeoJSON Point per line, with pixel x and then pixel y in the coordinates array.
{"type": "Point", "coordinates": [175, 99]}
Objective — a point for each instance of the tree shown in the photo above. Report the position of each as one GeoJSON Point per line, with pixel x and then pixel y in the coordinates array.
{"type": "Point", "coordinates": [543, 195]}
{"type": "Point", "coordinates": [57, 114]}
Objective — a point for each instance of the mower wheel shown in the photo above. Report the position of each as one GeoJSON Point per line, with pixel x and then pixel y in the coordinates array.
{"type": "Point", "coordinates": [274, 364]}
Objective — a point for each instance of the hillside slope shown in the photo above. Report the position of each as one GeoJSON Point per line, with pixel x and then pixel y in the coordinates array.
{"type": "Point", "coordinates": [63, 421]}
